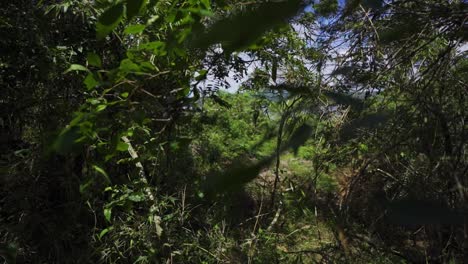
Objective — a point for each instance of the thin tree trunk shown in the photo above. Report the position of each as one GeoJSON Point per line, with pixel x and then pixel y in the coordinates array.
{"type": "Point", "coordinates": [278, 159]}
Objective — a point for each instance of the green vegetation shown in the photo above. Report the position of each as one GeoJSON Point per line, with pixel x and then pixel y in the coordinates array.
{"type": "Point", "coordinates": [345, 142]}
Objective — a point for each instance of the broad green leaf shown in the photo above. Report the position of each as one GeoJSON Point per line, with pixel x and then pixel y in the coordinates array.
{"type": "Point", "coordinates": [134, 29]}
{"type": "Point", "coordinates": [244, 27]}
{"type": "Point", "coordinates": [134, 7]}
{"type": "Point", "coordinates": [112, 15]}
{"type": "Point", "coordinates": [101, 107]}
{"type": "Point", "coordinates": [109, 20]}
{"type": "Point", "coordinates": [76, 67]}
{"type": "Point", "coordinates": [122, 146]}
{"type": "Point", "coordinates": [94, 60]}
{"type": "Point", "coordinates": [107, 214]}
{"type": "Point", "coordinates": [147, 66]}
{"type": "Point", "coordinates": [90, 82]}
{"type": "Point", "coordinates": [127, 65]}
{"type": "Point", "coordinates": [157, 47]}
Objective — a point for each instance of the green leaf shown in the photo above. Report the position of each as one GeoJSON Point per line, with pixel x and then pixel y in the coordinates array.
{"type": "Point", "coordinates": [136, 197]}
{"type": "Point", "coordinates": [76, 67]}
{"type": "Point", "coordinates": [102, 172]}
{"type": "Point", "coordinates": [243, 28]}
{"type": "Point", "coordinates": [122, 146]}
{"type": "Point", "coordinates": [127, 65]}
{"type": "Point", "coordinates": [134, 7]}
{"type": "Point", "coordinates": [105, 231]}
{"type": "Point", "coordinates": [84, 187]}
{"type": "Point", "coordinates": [112, 15]}
{"type": "Point", "coordinates": [107, 214]}
{"type": "Point", "coordinates": [157, 47]}
{"type": "Point", "coordinates": [109, 20]}
{"type": "Point", "coordinates": [134, 29]}
{"type": "Point", "coordinates": [101, 107]}
{"type": "Point", "coordinates": [94, 60]}
{"type": "Point", "coordinates": [90, 82]}
{"type": "Point", "coordinates": [147, 66]}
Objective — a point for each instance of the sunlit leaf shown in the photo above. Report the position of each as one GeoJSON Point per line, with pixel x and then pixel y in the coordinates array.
{"type": "Point", "coordinates": [122, 146]}
{"type": "Point", "coordinates": [138, 197]}
{"type": "Point", "coordinates": [107, 214]}
{"type": "Point", "coordinates": [76, 67]}
{"type": "Point", "coordinates": [101, 107]}
{"type": "Point", "coordinates": [157, 47]}
{"type": "Point", "coordinates": [102, 172]}
{"type": "Point", "coordinates": [134, 29]}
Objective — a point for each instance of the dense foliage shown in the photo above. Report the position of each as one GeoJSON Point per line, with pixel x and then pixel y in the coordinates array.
{"type": "Point", "coordinates": [232, 131]}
